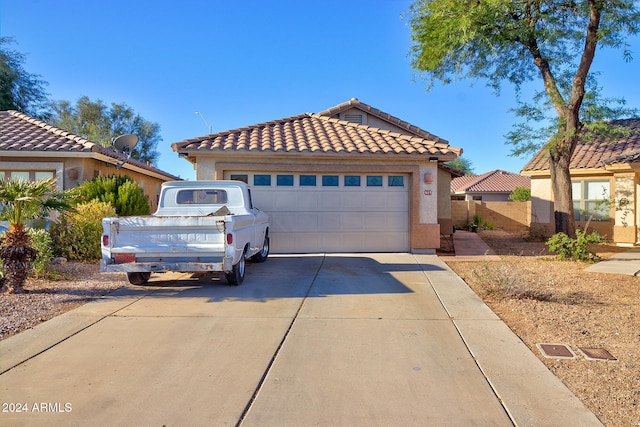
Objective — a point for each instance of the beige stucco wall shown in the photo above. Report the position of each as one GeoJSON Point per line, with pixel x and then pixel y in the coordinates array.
{"type": "Point", "coordinates": [510, 216]}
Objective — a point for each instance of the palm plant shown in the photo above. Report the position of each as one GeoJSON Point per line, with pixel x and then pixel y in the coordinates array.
{"type": "Point", "coordinates": [22, 201]}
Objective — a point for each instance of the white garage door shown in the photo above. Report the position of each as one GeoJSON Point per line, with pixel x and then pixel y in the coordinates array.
{"type": "Point", "coordinates": [333, 212]}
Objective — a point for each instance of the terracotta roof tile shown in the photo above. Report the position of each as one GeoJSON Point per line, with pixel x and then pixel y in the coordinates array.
{"type": "Point", "coordinates": [596, 153]}
{"type": "Point", "coordinates": [317, 133]}
{"type": "Point", "coordinates": [22, 133]}
{"type": "Point", "coordinates": [497, 181]}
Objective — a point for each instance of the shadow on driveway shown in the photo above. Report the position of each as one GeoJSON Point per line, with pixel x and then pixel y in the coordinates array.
{"type": "Point", "coordinates": [297, 276]}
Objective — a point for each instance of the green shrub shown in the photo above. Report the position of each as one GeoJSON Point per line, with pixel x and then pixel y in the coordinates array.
{"type": "Point", "coordinates": [120, 191]}
{"type": "Point", "coordinates": [577, 249]}
{"type": "Point", "coordinates": [41, 241]}
{"type": "Point", "coordinates": [77, 234]}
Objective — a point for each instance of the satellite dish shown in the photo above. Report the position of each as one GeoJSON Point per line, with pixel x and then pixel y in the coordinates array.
{"type": "Point", "coordinates": [124, 144]}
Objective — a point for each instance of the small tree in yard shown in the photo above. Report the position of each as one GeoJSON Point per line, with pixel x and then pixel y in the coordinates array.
{"type": "Point", "coordinates": [21, 201]}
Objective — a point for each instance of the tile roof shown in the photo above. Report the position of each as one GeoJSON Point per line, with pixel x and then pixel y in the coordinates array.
{"type": "Point", "coordinates": [316, 133]}
{"type": "Point", "coordinates": [597, 153]}
{"type": "Point", "coordinates": [22, 133]}
{"type": "Point", "coordinates": [497, 181]}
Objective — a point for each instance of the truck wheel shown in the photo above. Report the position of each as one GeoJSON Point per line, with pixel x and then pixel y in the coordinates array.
{"type": "Point", "coordinates": [138, 277]}
{"type": "Point", "coordinates": [236, 275]}
{"type": "Point", "coordinates": [264, 252]}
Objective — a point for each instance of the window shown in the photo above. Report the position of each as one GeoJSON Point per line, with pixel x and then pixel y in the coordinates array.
{"type": "Point", "coordinates": [352, 181]}
{"type": "Point", "coordinates": [590, 200]}
{"type": "Point", "coordinates": [43, 175]}
{"type": "Point", "coordinates": [201, 197]}
{"type": "Point", "coordinates": [262, 180]}
{"type": "Point", "coordinates": [395, 181]}
{"type": "Point", "coordinates": [374, 181]}
{"type": "Point", "coordinates": [240, 177]}
{"type": "Point", "coordinates": [307, 180]}
{"type": "Point", "coordinates": [284, 180]}
{"type": "Point", "coordinates": [16, 175]}
{"type": "Point", "coordinates": [329, 180]}
{"type": "Point", "coordinates": [26, 175]}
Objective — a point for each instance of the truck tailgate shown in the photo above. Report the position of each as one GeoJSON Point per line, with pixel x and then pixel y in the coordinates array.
{"type": "Point", "coordinates": [168, 236]}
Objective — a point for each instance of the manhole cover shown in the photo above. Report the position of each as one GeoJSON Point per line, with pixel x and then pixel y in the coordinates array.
{"type": "Point", "coordinates": [556, 351]}
{"type": "Point", "coordinates": [596, 354]}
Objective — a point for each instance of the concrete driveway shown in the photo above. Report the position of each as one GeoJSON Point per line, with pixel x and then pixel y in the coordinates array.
{"type": "Point", "coordinates": [326, 340]}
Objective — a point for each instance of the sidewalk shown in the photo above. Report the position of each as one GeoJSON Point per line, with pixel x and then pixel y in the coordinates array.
{"type": "Point", "coordinates": [627, 262]}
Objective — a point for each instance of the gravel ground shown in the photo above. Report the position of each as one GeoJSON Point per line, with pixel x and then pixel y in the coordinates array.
{"type": "Point", "coordinates": [541, 299]}
{"type": "Point", "coordinates": [76, 284]}
{"type": "Point", "coordinates": [544, 300]}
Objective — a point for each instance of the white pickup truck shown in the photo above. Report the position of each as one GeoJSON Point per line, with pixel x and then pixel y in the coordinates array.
{"type": "Point", "coordinates": [200, 226]}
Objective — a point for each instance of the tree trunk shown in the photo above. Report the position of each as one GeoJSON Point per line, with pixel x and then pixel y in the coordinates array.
{"type": "Point", "coordinates": [561, 186]}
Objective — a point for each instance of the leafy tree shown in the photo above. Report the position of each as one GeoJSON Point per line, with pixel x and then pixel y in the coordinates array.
{"type": "Point", "coordinates": [462, 164]}
{"type": "Point", "coordinates": [21, 201]}
{"type": "Point", "coordinates": [99, 123]}
{"type": "Point", "coordinates": [519, 41]}
{"type": "Point", "coordinates": [20, 90]}
{"type": "Point", "coordinates": [119, 191]}
{"type": "Point", "coordinates": [520, 194]}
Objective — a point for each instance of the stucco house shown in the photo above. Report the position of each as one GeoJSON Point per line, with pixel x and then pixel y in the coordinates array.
{"type": "Point", "coordinates": [493, 186]}
{"type": "Point", "coordinates": [32, 149]}
{"type": "Point", "coordinates": [601, 170]}
{"type": "Point", "coordinates": [347, 179]}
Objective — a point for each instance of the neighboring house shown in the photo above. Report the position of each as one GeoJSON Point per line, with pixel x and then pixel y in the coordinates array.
{"type": "Point", "coordinates": [31, 149]}
{"type": "Point", "coordinates": [601, 171]}
{"type": "Point", "coordinates": [348, 179]}
{"type": "Point", "coordinates": [494, 186]}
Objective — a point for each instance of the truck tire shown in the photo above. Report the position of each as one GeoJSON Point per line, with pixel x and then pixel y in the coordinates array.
{"type": "Point", "coordinates": [236, 276]}
{"type": "Point", "coordinates": [138, 277]}
{"type": "Point", "coordinates": [264, 252]}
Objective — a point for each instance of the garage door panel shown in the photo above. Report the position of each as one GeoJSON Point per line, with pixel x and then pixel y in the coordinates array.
{"type": "Point", "coordinates": [335, 218]}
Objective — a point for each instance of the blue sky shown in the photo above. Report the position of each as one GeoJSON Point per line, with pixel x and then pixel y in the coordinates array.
{"type": "Point", "coordinates": [246, 62]}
